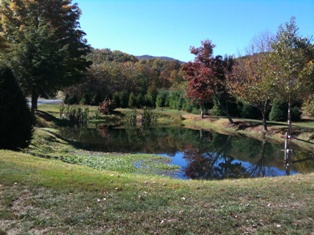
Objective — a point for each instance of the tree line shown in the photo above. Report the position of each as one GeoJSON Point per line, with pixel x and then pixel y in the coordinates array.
{"type": "Point", "coordinates": [274, 76]}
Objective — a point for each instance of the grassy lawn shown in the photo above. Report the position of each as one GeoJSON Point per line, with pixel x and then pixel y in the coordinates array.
{"type": "Point", "coordinates": [56, 188]}
{"type": "Point", "coordinates": [46, 196]}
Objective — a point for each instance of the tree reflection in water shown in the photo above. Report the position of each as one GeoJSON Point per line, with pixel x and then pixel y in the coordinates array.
{"type": "Point", "coordinates": [201, 154]}
{"type": "Point", "coordinates": [213, 164]}
{"type": "Point", "coordinates": [218, 157]}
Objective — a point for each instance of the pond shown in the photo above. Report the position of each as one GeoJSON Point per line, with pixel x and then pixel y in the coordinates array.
{"type": "Point", "coordinates": [200, 154]}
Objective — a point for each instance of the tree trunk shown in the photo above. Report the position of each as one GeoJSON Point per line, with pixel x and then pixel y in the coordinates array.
{"type": "Point", "coordinates": [34, 102]}
{"type": "Point", "coordinates": [289, 118]}
{"type": "Point", "coordinates": [225, 110]}
{"type": "Point", "coordinates": [264, 111]}
{"type": "Point", "coordinates": [202, 111]}
{"type": "Point", "coordinates": [264, 122]}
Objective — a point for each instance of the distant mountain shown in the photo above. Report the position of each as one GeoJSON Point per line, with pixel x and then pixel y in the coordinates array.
{"type": "Point", "coordinates": [100, 55]}
{"type": "Point", "coordinates": [148, 57]}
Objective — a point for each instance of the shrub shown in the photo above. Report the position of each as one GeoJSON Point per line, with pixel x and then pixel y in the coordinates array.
{"type": "Point", "coordinates": [66, 99]}
{"type": "Point", "coordinates": [279, 112]}
{"type": "Point", "coordinates": [161, 98]}
{"type": "Point", "coordinates": [16, 120]}
{"type": "Point", "coordinates": [296, 113]}
{"type": "Point", "coordinates": [70, 100]}
{"type": "Point", "coordinates": [249, 111]}
{"type": "Point", "coordinates": [216, 110]}
{"type": "Point", "coordinates": [176, 100]}
{"type": "Point", "coordinates": [75, 114]}
{"type": "Point", "coordinates": [188, 106]}
{"type": "Point", "coordinates": [107, 107]}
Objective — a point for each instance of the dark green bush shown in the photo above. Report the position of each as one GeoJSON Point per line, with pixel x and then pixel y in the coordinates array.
{"type": "Point", "coordinates": [279, 112]}
{"type": "Point", "coordinates": [116, 99]}
{"type": "Point", "coordinates": [140, 100]}
{"type": "Point", "coordinates": [151, 96]}
{"type": "Point", "coordinates": [16, 120]}
{"type": "Point", "coordinates": [228, 103]}
{"type": "Point", "coordinates": [161, 99]}
{"type": "Point", "coordinates": [188, 106]}
{"type": "Point", "coordinates": [71, 99]}
{"type": "Point", "coordinates": [176, 100]}
{"type": "Point", "coordinates": [216, 110]}
{"type": "Point", "coordinates": [296, 113]}
{"type": "Point", "coordinates": [249, 111]}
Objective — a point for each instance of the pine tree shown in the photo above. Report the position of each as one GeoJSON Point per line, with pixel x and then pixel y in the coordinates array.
{"type": "Point", "coordinates": [16, 128]}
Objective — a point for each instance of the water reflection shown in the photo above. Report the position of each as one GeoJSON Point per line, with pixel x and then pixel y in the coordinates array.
{"type": "Point", "coordinates": [201, 154]}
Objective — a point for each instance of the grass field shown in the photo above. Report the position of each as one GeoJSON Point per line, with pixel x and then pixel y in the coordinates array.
{"type": "Point", "coordinates": [55, 188]}
{"type": "Point", "coordinates": [45, 196]}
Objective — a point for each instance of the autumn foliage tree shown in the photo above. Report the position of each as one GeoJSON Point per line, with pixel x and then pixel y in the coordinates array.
{"type": "Point", "coordinates": [251, 77]}
{"type": "Point", "coordinates": [43, 44]}
{"type": "Point", "coordinates": [206, 76]}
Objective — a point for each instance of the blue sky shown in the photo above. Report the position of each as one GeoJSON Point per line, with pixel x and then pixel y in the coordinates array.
{"type": "Point", "coordinates": [170, 27]}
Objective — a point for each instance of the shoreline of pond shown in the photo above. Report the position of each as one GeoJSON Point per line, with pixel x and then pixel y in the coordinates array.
{"type": "Point", "coordinates": [302, 137]}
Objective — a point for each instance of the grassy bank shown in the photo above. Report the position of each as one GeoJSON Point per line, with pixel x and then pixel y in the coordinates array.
{"type": "Point", "coordinates": [46, 196]}
{"type": "Point", "coordinates": [303, 132]}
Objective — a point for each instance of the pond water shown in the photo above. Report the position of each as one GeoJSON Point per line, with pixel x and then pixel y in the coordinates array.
{"type": "Point", "coordinates": [200, 154]}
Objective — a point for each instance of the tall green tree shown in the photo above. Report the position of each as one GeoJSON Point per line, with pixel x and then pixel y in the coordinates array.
{"type": "Point", "coordinates": [44, 44]}
{"type": "Point", "coordinates": [292, 60]}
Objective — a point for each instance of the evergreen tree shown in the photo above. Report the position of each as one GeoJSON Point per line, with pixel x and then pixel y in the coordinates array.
{"type": "Point", "coordinates": [124, 99]}
{"type": "Point", "coordinates": [278, 112]}
{"type": "Point", "coordinates": [132, 100]}
{"type": "Point", "coordinates": [16, 128]}
{"type": "Point", "coordinates": [140, 100]}
{"type": "Point", "coordinates": [161, 98]}
{"type": "Point", "coordinates": [116, 99]}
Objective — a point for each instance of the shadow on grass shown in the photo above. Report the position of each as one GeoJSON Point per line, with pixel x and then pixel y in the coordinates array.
{"type": "Point", "coordinates": [46, 120]}
{"type": "Point", "coordinates": [44, 117]}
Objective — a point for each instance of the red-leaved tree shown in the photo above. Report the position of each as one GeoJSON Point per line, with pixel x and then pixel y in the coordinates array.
{"type": "Point", "coordinates": [206, 76]}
